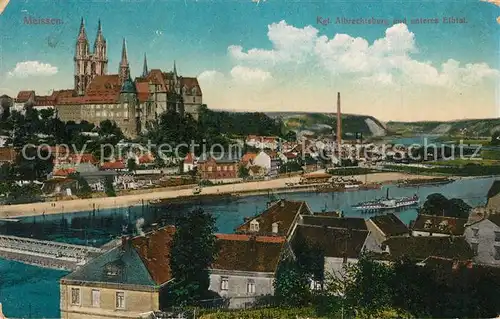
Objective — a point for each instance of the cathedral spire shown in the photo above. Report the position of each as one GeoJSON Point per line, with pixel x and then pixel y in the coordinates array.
{"type": "Point", "coordinates": [124, 66]}
{"type": "Point", "coordinates": [124, 60]}
{"type": "Point", "coordinates": [82, 35]}
{"type": "Point", "coordinates": [145, 67]}
{"type": "Point", "coordinates": [175, 69]}
{"type": "Point", "coordinates": [99, 37]}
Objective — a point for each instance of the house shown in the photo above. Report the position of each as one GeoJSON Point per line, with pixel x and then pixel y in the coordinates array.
{"type": "Point", "coordinates": [124, 282]}
{"type": "Point", "coordinates": [334, 222]}
{"type": "Point", "coordinates": [217, 167]}
{"type": "Point", "coordinates": [245, 267]}
{"type": "Point", "coordinates": [339, 245]}
{"type": "Point", "coordinates": [263, 160]}
{"type": "Point", "coordinates": [256, 171]}
{"type": "Point", "coordinates": [430, 225]}
{"type": "Point", "coordinates": [278, 219]}
{"type": "Point", "coordinates": [263, 142]}
{"type": "Point", "coordinates": [248, 159]}
{"type": "Point", "coordinates": [386, 226]}
{"type": "Point", "coordinates": [114, 166]}
{"type": "Point", "coordinates": [484, 239]}
{"type": "Point", "coordinates": [493, 197]}
{"type": "Point", "coordinates": [188, 164]}
{"type": "Point", "coordinates": [7, 155]}
{"type": "Point", "coordinates": [23, 98]}
{"type": "Point", "coordinates": [422, 247]}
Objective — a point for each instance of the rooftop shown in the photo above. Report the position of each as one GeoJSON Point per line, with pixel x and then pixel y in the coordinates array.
{"type": "Point", "coordinates": [335, 222]}
{"type": "Point", "coordinates": [421, 247]}
{"type": "Point", "coordinates": [390, 225]}
{"type": "Point", "coordinates": [440, 224]}
{"type": "Point", "coordinates": [282, 212]}
{"type": "Point", "coordinates": [335, 242]}
{"type": "Point", "coordinates": [248, 253]}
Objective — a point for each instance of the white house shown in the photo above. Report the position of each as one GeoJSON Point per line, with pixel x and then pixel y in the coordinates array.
{"type": "Point", "coordinates": [189, 163]}
{"type": "Point", "coordinates": [245, 267]}
{"type": "Point", "coordinates": [263, 142]}
{"type": "Point", "coordinates": [386, 226]}
{"type": "Point", "coordinates": [263, 160]}
{"type": "Point", "coordinates": [484, 239]}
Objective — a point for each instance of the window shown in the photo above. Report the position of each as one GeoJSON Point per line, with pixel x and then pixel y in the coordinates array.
{"type": "Point", "coordinates": [475, 231]}
{"type": "Point", "coordinates": [218, 168]}
{"type": "Point", "coordinates": [224, 283]}
{"type": "Point", "coordinates": [316, 285]}
{"type": "Point", "coordinates": [120, 300]}
{"type": "Point", "coordinates": [497, 235]}
{"type": "Point", "coordinates": [209, 168]}
{"type": "Point", "coordinates": [254, 225]}
{"type": "Point", "coordinates": [474, 247]}
{"type": "Point", "coordinates": [194, 99]}
{"type": "Point", "coordinates": [225, 168]}
{"type": "Point", "coordinates": [250, 286]}
{"type": "Point", "coordinates": [96, 298]}
{"type": "Point", "coordinates": [125, 114]}
{"type": "Point", "coordinates": [75, 296]}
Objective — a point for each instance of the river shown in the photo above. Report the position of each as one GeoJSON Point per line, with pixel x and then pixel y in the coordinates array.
{"type": "Point", "coordinates": [26, 287]}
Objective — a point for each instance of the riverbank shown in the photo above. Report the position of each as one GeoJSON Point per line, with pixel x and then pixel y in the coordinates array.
{"type": "Point", "coordinates": [77, 205]}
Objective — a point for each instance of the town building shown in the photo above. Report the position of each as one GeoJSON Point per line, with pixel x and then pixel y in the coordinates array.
{"type": "Point", "coordinates": [263, 142]}
{"type": "Point", "coordinates": [245, 267]}
{"type": "Point", "coordinates": [124, 282]}
{"type": "Point", "coordinates": [430, 225]}
{"type": "Point", "coordinates": [98, 96]}
{"type": "Point", "coordinates": [8, 155]}
{"type": "Point", "coordinates": [422, 247]}
{"type": "Point", "coordinates": [278, 219]}
{"type": "Point", "coordinates": [386, 226]}
{"type": "Point", "coordinates": [188, 164]}
{"type": "Point", "coordinates": [484, 239]}
{"type": "Point", "coordinates": [218, 168]}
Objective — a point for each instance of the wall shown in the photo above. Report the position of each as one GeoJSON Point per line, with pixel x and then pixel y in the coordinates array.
{"type": "Point", "coordinates": [486, 241]}
{"type": "Point", "coordinates": [136, 303]}
{"type": "Point", "coordinates": [237, 286]}
{"type": "Point", "coordinates": [335, 265]}
{"type": "Point", "coordinates": [376, 233]}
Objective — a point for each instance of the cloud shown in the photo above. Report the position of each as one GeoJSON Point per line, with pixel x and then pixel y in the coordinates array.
{"type": "Point", "coordinates": [387, 60]}
{"type": "Point", "coordinates": [210, 76]}
{"type": "Point", "coordinates": [32, 68]}
{"type": "Point", "coordinates": [245, 74]}
{"type": "Point", "coordinates": [495, 2]}
{"type": "Point", "coordinates": [3, 5]}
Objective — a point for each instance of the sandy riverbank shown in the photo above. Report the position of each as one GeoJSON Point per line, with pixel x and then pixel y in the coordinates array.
{"type": "Point", "coordinates": [23, 210]}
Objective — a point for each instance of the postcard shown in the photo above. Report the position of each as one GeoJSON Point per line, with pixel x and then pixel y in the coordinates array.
{"type": "Point", "coordinates": [205, 146]}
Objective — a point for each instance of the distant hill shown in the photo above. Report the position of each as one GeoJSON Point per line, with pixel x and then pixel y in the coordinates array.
{"type": "Point", "coordinates": [326, 122]}
{"type": "Point", "coordinates": [481, 127]}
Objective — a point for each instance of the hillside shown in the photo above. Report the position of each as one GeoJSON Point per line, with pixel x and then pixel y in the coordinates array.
{"type": "Point", "coordinates": [326, 122]}
{"type": "Point", "coordinates": [480, 127]}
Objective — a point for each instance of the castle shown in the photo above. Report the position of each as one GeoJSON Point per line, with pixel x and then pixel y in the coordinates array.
{"type": "Point", "coordinates": [132, 104]}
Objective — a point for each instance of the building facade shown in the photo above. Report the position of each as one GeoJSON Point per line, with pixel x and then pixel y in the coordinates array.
{"type": "Point", "coordinates": [131, 103]}
{"type": "Point", "coordinates": [484, 239]}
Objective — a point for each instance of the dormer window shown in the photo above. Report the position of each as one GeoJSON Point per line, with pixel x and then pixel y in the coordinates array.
{"type": "Point", "coordinates": [254, 225]}
{"type": "Point", "coordinates": [275, 228]}
{"type": "Point", "coordinates": [194, 91]}
{"type": "Point", "coordinates": [443, 225]}
{"type": "Point", "coordinates": [428, 224]}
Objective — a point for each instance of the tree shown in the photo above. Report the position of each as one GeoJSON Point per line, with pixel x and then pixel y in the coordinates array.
{"type": "Point", "coordinates": [109, 189]}
{"type": "Point", "coordinates": [193, 252]}
{"type": "Point", "coordinates": [131, 164]}
{"type": "Point", "coordinates": [291, 285]}
{"type": "Point", "coordinates": [243, 172]}
{"type": "Point", "coordinates": [437, 204]}
{"type": "Point", "coordinates": [495, 138]}
{"type": "Point", "coordinates": [83, 187]}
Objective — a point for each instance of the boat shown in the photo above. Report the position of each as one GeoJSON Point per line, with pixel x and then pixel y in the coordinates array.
{"type": "Point", "coordinates": [425, 182]}
{"type": "Point", "coordinates": [388, 203]}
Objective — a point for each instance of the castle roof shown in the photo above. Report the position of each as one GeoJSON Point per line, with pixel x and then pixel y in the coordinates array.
{"type": "Point", "coordinates": [129, 86]}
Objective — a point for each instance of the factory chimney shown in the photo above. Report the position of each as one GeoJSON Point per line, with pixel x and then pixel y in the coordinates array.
{"type": "Point", "coordinates": [339, 127]}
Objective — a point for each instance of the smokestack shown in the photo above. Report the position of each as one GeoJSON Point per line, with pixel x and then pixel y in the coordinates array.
{"type": "Point", "coordinates": [339, 126]}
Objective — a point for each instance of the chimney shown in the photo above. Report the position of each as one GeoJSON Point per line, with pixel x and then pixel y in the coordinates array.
{"type": "Point", "coordinates": [339, 126]}
{"type": "Point", "coordinates": [275, 228]}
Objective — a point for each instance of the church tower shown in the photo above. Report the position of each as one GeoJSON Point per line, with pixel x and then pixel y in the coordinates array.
{"type": "Point", "coordinates": [100, 63]}
{"type": "Point", "coordinates": [81, 60]}
{"type": "Point", "coordinates": [124, 70]}
{"type": "Point", "coordinates": [88, 65]}
{"type": "Point", "coordinates": [145, 67]}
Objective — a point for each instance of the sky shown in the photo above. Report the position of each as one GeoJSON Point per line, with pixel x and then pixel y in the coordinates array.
{"type": "Point", "coordinates": [277, 55]}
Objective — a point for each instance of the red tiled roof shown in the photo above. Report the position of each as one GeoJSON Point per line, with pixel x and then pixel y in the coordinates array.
{"type": "Point", "coordinates": [45, 100]}
{"type": "Point", "coordinates": [146, 159]}
{"type": "Point", "coordinates": [190, 83]}
{"type": "Point", "coordinates": [248, 157]}
{"type": "Point", "coordinates": [104, 85]}
{"type": "Point", "coordinates": [189, 159]}
{"type": "Point", "coordinates": [154, 250]}
{"type": "Point", "coordinates": [24, 96]}
{"type": "Point", "coordinates": [83, 158]}
{"type": "Point", "coordinates": [64, 172]}
{"type": "Point", "coordinates": [290, 155]}
{"type": "Point", "coordinates": [142, 90]}
{"type": "Point", "coordinates": [113, 165]}
{"type": "Point", "coordinates": [248, 253]}
{"type": "Point", "coordinates": [156, 77]}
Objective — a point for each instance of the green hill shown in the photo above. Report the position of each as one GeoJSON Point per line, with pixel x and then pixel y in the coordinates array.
{"type": "Point", "coordinates": [473, 127]}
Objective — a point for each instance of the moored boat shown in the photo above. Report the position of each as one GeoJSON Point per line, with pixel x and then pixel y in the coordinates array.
{"type": "Point", "coordinates": [388, 203]}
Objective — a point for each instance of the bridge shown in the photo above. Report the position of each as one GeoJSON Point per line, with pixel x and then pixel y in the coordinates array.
{"type": "Point", "coordinates": [46, 254]}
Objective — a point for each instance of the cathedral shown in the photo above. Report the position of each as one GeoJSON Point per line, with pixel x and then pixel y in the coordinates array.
{"type": "Point", "coordinates": [132, 104]}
